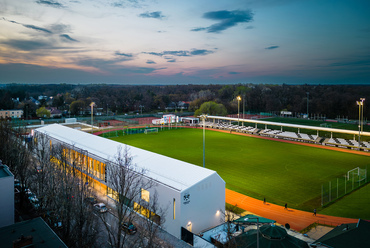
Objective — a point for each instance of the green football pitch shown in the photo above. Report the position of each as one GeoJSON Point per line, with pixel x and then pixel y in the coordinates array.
{"type": "Point", "coordinates": [281, 172]}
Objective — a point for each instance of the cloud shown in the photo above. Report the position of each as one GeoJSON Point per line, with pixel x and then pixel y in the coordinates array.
{"type": "Point", "coordinates": [27, 45]}
{"type": "Point", "coordinates": [182, 53]}
{"type": "Point", "coordinates": [271, 47]}
{"type": "Point", "coordinates": [171, 60]}
{"type": "Point", "coordinates": [233, 72]}
{"type": "Point", "coordinates": [155, 15]}
{"type": "Point", "coordinates": [67, 37]}
{"type": "Point", "coordinates": [227, 19]}
{"type": "Point", "coordinates": [53, 4]}
{"type": "Point", "coordinates": [198, 29]}
{"type": "Point", "coordinates": [150, 62]}
{"type": "Point", "coordinates": [129, 55]}
{"type": "Point", "coordinates": [29, 26]}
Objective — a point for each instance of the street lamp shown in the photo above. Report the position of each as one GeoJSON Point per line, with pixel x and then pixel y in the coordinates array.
{"type": "Point", "coordinates": [204, 117]}
{"type": "Point", "coordinates": [308, 94]}
{"type": "Point", "coordinates": [92, 111]}
{"type": "Point", "coordinates": [360, 119]}
{"type": "Point", "coordinates": [238, 98]}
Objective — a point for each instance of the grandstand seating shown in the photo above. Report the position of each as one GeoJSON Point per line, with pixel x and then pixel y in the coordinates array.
{"type": "Point", "coordinates": [296, 136]}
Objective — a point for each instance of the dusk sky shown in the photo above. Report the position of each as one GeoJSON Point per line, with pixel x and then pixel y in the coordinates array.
{"type": "Point", "coordinates": [185, 42]}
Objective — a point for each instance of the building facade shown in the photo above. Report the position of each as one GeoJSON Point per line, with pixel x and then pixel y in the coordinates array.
{"type": "Point", "coordinates": [14, 113]}
{"type": "Point", "coordinates": [194, 197]}
{"type": "Point", "coordinates": [7, 196]}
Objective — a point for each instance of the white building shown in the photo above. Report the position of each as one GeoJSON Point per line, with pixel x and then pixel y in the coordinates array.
{"type": "Point", "coordinates": [7, 196]}
{"type": "Point", "coordinates": [192, 195]}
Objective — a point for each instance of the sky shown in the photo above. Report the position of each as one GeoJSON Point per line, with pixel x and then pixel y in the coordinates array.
{"type": "Point", "coordinates": [185, 42]}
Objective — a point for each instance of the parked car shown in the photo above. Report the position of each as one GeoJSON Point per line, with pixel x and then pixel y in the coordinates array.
{"type": "Point", "coordinates": [100, 207]}
{"type": "Point", "coordinates": [128, 228]}
{"type": "Point", "coordinates": [53, 220]}
{"type": "Point", "coordinates": [33, 200]}
{"type": "Point", "coordinates": [91, 200]}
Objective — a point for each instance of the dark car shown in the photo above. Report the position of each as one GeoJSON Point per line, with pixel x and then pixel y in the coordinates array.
{"type": "Point", "coordinates": [128, 227]}
{"type": "Point", "coordinates": [91, 200]}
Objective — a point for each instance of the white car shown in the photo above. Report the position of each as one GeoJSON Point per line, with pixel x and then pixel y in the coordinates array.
{"type": "Point", "coordinates": [100, 207]}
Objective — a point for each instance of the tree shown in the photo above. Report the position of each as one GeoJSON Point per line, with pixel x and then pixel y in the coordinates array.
{"type": "Point", "coordinates": [211, 108]}
{"type": "Point", "coordinates": [77, 106]}
{"type": "Point", "coordinates": [130, 189]}
{"type": "Point", "coordinates": [43, 112]}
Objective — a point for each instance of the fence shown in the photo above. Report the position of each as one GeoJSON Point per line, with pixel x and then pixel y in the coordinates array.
{"type": "Point", "coordinates": [342, 186]}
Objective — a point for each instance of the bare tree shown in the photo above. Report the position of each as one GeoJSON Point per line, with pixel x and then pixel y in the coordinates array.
{"type": "Point", "coordinates": [130, 188]}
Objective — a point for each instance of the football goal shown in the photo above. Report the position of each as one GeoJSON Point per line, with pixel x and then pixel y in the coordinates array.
{"type": "Point", "coordinates": [151, 130]}
{"type": "Point", "coordinates": [357, 174]}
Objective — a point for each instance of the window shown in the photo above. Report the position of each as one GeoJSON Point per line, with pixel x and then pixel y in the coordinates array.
{"type": "Point", "coordinates": [145, 195]}
{"type": "Point", "coordinates": [174, 208]}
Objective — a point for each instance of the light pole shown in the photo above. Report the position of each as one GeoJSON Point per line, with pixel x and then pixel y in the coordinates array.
{"type": "Point", "coordinates": [238, 98]}
{"type": "Point", "coordinates": [243, 109]}
{"type": "Point", "coordinates": [362, 114]}
{"type": "Point", "coordinates": [360, 119]}
{"type": "Point", "coordinates": [92, 112]}
{"type": "Point", "coordinates": [308, 94]}
{"type": "Point", "coordinates": [204, 117]}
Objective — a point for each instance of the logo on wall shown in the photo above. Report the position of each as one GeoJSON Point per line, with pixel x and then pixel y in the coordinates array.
{"type": "Point", "coordinates": [186, 198]}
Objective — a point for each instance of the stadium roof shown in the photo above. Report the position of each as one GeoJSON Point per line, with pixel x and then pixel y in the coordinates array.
{"type": "Point", "coordinates": [326, 129]}
{"type": "Point", "coordinates": [171, 172]}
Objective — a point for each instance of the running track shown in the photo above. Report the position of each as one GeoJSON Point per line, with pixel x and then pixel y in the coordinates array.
{"type": "Point", "coordinates": [297, 219]}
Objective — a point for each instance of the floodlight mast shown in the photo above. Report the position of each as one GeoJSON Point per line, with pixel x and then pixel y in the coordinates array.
{"type": "Point", "coordinates": [92, 111]}
{"type": "Point", "coordinates": [360, 119]}
{"type": "Point", "coordinates": [238, 98]}
{"type": "Point", "coordinates": [204, 117]}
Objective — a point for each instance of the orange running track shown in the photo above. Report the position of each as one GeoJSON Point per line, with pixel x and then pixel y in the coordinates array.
{"type": "Point", "coordinates": [297, 219]}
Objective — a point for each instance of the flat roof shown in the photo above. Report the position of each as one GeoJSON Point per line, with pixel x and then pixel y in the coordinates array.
{"type": "Point", "coordinates": [327, 129]}
{"type": "Point", "coordinates": [169, 171]}
{"type": "Point", "coordinates": [42, 234]}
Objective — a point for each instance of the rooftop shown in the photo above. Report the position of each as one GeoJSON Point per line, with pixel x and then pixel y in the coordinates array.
{"type": "Point", "coordinates": [4, 171]}
{"type": "Point", "coordinates": [41, 234]}
{"type": "Point", "coordinates": [171, 172]}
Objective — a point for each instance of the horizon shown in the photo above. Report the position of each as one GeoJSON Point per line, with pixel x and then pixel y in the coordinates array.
{"type": "Point", "coordinates": [147, 42]}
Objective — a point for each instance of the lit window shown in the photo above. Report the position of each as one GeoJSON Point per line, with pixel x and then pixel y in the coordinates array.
{"type": "Point", "coordinates": [145, 195]}
{"type": "Point", "coordinates": [174, 208]}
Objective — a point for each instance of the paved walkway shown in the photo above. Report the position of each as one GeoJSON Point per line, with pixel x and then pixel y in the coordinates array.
{"type": "Point", "coordinates": [297, 219]}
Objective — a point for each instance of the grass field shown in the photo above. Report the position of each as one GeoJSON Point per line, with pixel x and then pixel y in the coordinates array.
{"type": "Point", "coordinates": [281, 172]}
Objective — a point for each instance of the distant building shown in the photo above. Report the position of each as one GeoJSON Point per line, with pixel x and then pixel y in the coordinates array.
{"type": "Point", "coordinates": [54, 112]}
{"type": "Point", "coordinates": [5, 114]}
{"type": "Point", "coordinates": [30, 233]}
{"type": "Point", "coordinates": [6, 196]}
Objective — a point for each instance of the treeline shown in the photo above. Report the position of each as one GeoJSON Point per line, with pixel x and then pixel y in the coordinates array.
{"type": "Point", "coordinates": [329, 100]}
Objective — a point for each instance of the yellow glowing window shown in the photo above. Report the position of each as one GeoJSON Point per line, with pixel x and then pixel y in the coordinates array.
{"type": "Point", "coordinates": [145, 195]}
{"type": "Point", "coordinates": [174, 208]}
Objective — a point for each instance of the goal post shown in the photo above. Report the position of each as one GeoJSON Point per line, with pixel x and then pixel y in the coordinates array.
{"type": "Point", "coordinates": [151, 130]}
{"type": "Point", "coordinates": [353, 173]}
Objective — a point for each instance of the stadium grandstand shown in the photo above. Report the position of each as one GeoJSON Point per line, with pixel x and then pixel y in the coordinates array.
{"type": "Point", "coordinates": [250, 126]}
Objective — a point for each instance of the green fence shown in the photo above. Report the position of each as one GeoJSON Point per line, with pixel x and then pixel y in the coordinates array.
{"type": "Point", "coordinates": [344, 185]}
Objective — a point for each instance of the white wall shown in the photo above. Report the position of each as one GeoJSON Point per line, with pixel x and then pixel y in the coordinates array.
{"type": "Point", "coordinates": [206, 204]}
{"type": "Point", "coordinates": [7, 199]}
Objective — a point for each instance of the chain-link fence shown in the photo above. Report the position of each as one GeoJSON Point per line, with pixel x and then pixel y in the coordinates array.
{"type": "Point", "coordinates": [339, 187]}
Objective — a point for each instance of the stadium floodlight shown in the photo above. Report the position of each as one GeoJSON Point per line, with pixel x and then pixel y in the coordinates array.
{"type": "Point", "coordinates": [92, 111]}
{"type": "Point", "coordinates": [238, 98]}
{"type": "Point", "coordinates": [360, 119]}
{"type": "Point", "coordinates": [204, 117]}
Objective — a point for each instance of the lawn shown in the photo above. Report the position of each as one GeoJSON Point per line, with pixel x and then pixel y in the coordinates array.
{"type": "Point", "coordinates": [281, 172]}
